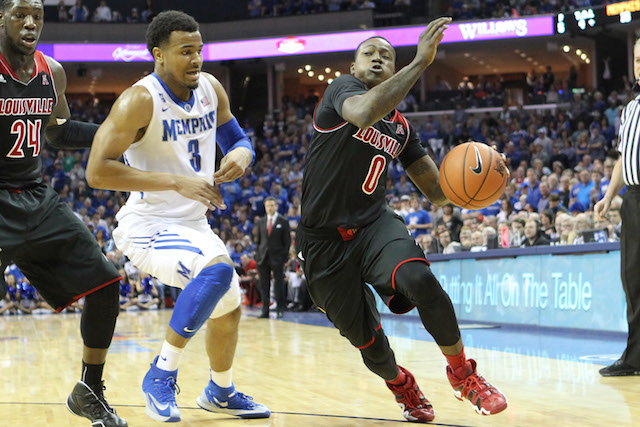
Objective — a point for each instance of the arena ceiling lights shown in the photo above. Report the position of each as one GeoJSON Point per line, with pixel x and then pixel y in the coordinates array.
{"type": "Point", "coordinates": [308, 44]}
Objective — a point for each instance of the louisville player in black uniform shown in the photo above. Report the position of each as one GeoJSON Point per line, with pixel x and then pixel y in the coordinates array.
{"type": "Point", "coordinates": [38, 232]}
{"type": "Point", "coordinates": [348, 236]}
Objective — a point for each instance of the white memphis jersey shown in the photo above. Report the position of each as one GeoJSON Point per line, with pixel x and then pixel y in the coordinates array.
{"type": "Point", "coordinates": [180, 139]}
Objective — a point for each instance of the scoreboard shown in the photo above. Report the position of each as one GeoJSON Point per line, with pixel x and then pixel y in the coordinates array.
{"type": "Point", "coordinates": [587, 19]}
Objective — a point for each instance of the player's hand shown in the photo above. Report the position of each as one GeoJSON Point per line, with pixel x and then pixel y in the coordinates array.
{"type": "Point", "coordinates": [200, 190]}
{"type": "Point", "coordinates": [232, 165]}
{"type": "Point", "coordinates": [601, 208]}
{"type": "Point", "coordinates": [504, 159]}
{"type": "Point", "coordinates": [430, 39]}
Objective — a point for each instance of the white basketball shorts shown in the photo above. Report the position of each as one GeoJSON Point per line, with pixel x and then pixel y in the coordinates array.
{"type": "Point", "coordinates": [174, 252]}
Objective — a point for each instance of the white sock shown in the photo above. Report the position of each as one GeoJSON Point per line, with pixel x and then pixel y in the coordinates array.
{"type": "Point", "coordinates": [222, 379]}
{"type": "Point", "coordinates": [169, 357]}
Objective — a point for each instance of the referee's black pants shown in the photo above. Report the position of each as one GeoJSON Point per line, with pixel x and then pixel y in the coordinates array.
{"type": "Point", "coordinates": [630, 271]}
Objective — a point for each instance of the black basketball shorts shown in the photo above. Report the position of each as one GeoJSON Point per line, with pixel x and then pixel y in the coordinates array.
{"type": "Point", "coordinates": [51, 246]}
{"type": "Point", "coordinates": [337, 272]}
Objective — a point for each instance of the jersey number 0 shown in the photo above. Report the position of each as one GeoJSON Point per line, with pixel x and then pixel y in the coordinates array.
{"type": "Point", "coordinates": [29, 130]}
{"type": "Point", "coordinates": [378, 163]}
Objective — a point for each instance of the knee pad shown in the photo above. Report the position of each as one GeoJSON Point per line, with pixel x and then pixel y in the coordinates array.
{"type": "Point", "coordinates": [101, 309]}
{"type": "Point", "coordinates": [198, 299]}
{"type": "Point", "coordinates": [415, 281]}
{"type": "Point", "coordinates": [379, 357]}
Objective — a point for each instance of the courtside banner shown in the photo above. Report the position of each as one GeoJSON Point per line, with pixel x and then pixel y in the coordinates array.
{"type": "Point", "coordinates": [562, 291]}
{"type": "Point", "coordinates": [308, 44]}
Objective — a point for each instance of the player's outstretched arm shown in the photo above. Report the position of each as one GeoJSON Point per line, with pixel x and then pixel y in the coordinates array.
{"type": "Point", "coordinates": [366, 109]}
{"type": "Point", "coordinates": [126, 124]}
{"type": "Point", "coordinates": [424, 174]}
{"type": "Point", "coordinates": [235, 145]}
{"type": "Point", "coordinates": [63, 133]}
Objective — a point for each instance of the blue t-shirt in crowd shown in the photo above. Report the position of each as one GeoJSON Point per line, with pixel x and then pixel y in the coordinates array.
{"type": "Point", "coordinates": [420, 217]}
{"type": "Point", "coordinates": [581, 192]}
{"type": "Point", "coordinates": [493, 209]}
{"type": "Point", "coordinates": [236, 256]}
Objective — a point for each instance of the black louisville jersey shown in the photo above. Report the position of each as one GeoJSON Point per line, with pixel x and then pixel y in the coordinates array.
{"type": "Point", "coordinates": [25, 109]}
{"type": "Point", "coordinates": [346, 167]}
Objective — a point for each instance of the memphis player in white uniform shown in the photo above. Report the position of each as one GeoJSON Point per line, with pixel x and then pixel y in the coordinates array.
{"type": "Point", "coordinates": [166, 127]}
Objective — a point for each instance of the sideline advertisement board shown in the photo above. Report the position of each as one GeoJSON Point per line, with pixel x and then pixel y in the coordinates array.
{"type": "Point", "coordinates": [563, 291]}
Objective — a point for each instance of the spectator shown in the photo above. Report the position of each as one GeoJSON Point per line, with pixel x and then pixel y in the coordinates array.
{"type": "Point", "coordinates": [490, 238]}
{"type": "Point", "coordinates": [127, 298]}
{"type": "Point", "coordinates": [404, 188]}
{"type": "Point", "coordinates": [465, 239]}
{"type": "Point", "coordinates": [548, 79]}
{"type": "Point", "coordinates": [440, 84]}
{"type": "Point", "coordinates": [134, 16]}
{"type": "Point", "coordinates": [517, 233]}
{"type": "Point", "coordinates": [580, 192]}
{"type": "Point", "coordinates": [597, 144]}
{"type": "Point", "coordinates": [147, 293]}
{"type": "Point", "coordinates": [444, 239]}
{"type": "Point", "coordinates": [534, 235]}
{"type": "Point", "coordinates": [102, 13]}
{"type": "Point", "coordinates": [477, 242]}
{"type": "Point", "coordinates": [543, 202]}
{"type": "Point", "coordinates": [79, 12]}
{"type": "Point", "coordinates": [451, 219]}
{"type": "Point", "coordinates": [544, 141]}
{"type": "Point", "coordinates": [582, 223]}
{"type": "Point", "coordinates": [296, 285]}
{"type": "Point", "coordinates": [148, 12]}
{"type": "Point", "coordinates": [567, 234]}
{"type": "Point", "coordinates": [63, 13]}
{"type": "Point", "coordinates": [418, 220]}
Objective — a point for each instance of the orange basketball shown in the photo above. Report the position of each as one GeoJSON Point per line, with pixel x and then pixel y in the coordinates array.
{"type": "Point", "coordinates": [473, 175]}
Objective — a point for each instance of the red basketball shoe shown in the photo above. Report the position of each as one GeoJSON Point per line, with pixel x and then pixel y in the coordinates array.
{"type": "Point", "coordinates": [415, 407]}
{"type": "Point", "coordinates": [485, 398]}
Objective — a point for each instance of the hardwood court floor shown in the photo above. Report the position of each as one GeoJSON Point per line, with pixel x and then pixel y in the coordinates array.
{"type": "Point", "coordinates": [308, 376]}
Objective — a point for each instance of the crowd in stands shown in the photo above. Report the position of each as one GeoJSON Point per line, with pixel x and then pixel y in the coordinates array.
{"type": "Point", "coordinates": [495, 9]}
{"type": "Point", "coordinates": [143, 11]}
{"type": "Point", "coordinates": [490, 91]}
{"type": "Point", "coordinates": [79, 12]}
{"type": "Point", "coordinates": [263, 8]}
{"type": "Point", "coordinates": [560, 160]}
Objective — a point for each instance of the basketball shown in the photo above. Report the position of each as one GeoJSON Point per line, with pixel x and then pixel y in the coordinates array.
{"type": "Point", "coordinates": [473, 175]}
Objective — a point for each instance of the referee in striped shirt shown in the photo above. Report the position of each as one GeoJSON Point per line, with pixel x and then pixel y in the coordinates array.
{"type": "Point", "coordinates": [627, 172]}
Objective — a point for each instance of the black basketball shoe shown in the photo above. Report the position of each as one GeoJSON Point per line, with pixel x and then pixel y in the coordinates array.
{"type": "Point", "coordinates": [91, 404]}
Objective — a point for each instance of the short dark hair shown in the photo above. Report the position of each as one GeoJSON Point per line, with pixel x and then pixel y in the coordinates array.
{"type": "Point", "coordinates": [165, 23]}
{"type": "Point", "coordinates": [519, 221]}
{"type": "Point", "coordinates": [4, 4]}
{"type": "Point", "coordinates": [270, 199]}
{"type": "Point", "coordinates": [374, 37]}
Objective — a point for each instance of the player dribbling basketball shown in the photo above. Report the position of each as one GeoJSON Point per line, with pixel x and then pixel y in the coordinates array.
{"type": "Point", "coordinates": [348, 236]}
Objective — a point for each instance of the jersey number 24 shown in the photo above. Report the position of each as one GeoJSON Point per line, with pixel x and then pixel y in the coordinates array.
{"type": "Point", "coordinates": [29, 130]}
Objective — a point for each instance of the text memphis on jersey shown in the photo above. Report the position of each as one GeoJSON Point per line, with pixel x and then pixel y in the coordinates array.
{"type": "Point", "coordinates": [174, 127]}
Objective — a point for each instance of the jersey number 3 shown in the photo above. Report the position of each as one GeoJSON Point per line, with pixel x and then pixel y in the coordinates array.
{"type": "Point", "coordinates": [29, 130]}
{"type": "Point", "coordinates": [378, 163]}
{"type": "Point", "coordinates": [194, 149]}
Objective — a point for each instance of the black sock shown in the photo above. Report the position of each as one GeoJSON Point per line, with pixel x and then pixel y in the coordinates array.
{"type": "Point", "coordinates": [92, 375]}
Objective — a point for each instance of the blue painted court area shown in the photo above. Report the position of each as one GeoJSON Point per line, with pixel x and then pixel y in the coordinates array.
{"type": "Point", "coordinates": [600, 348]}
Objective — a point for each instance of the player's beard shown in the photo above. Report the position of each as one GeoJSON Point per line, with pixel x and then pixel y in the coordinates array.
{"type": "Point", "coordinates": [194, 86]}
